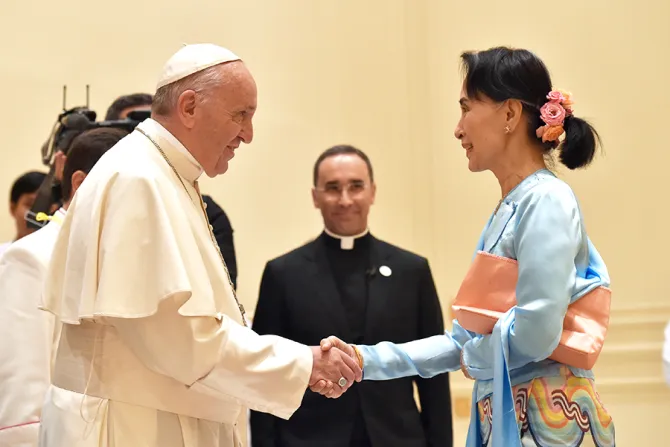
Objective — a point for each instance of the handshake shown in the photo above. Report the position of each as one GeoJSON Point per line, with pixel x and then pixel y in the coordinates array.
{"type": "Point", "coordinates": [335, 368]}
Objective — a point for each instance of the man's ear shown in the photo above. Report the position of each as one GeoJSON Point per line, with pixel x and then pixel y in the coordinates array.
{"type": "Point", "coordinates": [186, 107]}
{"type": "Point", "coordinates": [314, 199]}
{"type": "Point", "coordinates": [76, 180]}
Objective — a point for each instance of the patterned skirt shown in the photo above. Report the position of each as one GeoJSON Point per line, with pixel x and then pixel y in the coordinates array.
{"type": "Point", "coordinates": [556, 411]}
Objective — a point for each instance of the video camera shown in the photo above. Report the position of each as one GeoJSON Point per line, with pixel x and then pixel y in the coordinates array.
{"type": "Point", "coordinates": [68, 126]}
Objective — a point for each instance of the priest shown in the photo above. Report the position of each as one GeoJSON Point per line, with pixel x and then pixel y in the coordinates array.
{"type": "Point", "coordinates": [364, 290]}
{"type": "Point", "coordinates": [155, 349]}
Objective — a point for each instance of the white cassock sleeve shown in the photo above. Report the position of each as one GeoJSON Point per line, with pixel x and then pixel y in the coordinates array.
{"type": "Point", "coordinates": [131, 258]}
{"type": "Point", "coordinates": [221, 358]}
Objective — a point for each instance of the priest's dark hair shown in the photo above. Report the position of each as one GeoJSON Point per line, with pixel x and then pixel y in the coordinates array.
{"type": "Point", "coordinates": [123, 102]}
{"type": "Point", "coordinates": [341, 149]}
{"type": "Point", "coordinates": [28, 183]}
{"type": "Point", "coordinates": [503, 73]}
{"type": "Point", "coordinates": [87, 148]}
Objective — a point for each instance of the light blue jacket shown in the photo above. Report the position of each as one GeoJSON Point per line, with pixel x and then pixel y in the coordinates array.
{"type": "Point", "coordinates": [539, 224]}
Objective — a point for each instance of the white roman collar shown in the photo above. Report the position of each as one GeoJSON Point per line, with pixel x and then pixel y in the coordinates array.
{"type": "Point", "coordinates": [154, 126]}
{"type": "Point", "coordinates": [346, 242]}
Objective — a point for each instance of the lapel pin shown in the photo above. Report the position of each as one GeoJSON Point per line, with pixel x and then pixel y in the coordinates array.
{"type": "Point", "coordinates": [385, 270]}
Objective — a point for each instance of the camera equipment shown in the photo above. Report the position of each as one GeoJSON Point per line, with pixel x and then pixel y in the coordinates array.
{"type": "Point", "coordinates": [70, 123]}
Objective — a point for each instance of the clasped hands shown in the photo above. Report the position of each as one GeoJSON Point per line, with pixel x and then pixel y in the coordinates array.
{"type": "Point", "coordinates": [335, 368]}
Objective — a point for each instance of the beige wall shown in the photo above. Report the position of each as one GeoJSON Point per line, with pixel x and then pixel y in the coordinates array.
{"type": "Point", "coordinates": [384, 75]}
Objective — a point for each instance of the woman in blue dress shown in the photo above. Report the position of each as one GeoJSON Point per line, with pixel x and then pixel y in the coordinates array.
{"type": "Point", "coordinates": [512, 121]}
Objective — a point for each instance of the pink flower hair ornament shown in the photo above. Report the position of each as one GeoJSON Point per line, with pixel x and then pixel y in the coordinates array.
{"type": "Point", "coordinates": [553, 113]}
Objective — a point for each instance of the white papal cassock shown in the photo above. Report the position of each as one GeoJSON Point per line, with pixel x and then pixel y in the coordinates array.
{"type": "Point", "coordinates": [153, 349]}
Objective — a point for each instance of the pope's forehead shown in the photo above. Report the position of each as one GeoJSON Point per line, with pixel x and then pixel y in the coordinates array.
{"type": "Point", "coordinates": [234, 68]}
{"type": "Point", "coordinates": [237, 75]}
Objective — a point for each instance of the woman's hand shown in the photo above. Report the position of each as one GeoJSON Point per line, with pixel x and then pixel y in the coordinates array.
{"type": "Point", "coordinates": [464, 369]}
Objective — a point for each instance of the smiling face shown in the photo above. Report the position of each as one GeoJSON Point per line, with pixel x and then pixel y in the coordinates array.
{"type": "Point", "coordinates": [344, 193]}
{"type": "Point", "coordinates": [482, 131]}
{"type": "Point", "coordinates": [220, 118]}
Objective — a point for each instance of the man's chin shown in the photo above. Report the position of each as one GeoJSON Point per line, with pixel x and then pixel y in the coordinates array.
{"type": "Point", "coordinates": [221, 167]}
{"type": "Point", "coordinates": [216, 171]}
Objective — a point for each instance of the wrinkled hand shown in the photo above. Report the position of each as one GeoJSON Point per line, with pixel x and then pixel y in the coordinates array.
{"type": "Point", "coordinates": [328, 388]}
{"type": "Point", "coordinates": [328, 367]}
{"type": "Point", "coordinates": [334, 342]}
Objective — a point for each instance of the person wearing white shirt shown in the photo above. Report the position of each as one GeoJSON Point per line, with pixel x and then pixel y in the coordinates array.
{"type": "Point", "coordinates": [29, 336]}
{"type": "Point", "coordinates": [155, 350]}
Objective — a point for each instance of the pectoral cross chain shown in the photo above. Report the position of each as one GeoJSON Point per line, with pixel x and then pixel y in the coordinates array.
{"type": "Point", "coordinates": [209, 226]}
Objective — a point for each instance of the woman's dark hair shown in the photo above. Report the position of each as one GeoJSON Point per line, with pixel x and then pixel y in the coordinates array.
{"type": "Point", "coordinates": [504, 73]}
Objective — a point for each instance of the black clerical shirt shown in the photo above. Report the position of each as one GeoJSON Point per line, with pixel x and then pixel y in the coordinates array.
{"type": "Point", "coordinates": [351, 271]}
{"type": "Point", "coordinates": [350, 268]}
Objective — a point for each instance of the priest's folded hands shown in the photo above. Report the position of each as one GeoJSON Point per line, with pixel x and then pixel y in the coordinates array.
{"type": "Point", "coordinates": [349, 356]}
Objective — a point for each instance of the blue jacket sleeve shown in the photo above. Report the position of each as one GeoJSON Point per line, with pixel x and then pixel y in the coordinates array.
{"type": "Point", "coordinates": [426, 358]}
{"type": "Point", "coordinates": [547, 239]}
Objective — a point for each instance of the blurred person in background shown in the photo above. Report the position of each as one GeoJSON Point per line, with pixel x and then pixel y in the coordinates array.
{"type": "Point", "coordinates": [29, 336]}
{"type": "Point", "coordinates": [21, 198]}
{"type": "Point", "coordinates": [125, 104]}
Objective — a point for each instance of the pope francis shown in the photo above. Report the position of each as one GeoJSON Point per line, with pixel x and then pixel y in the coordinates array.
{"type": "Point", "coordinates": [154, 350]}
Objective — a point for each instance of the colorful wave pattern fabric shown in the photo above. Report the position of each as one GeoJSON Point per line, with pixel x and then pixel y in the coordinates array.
{"type": "Point", "coordinates": [563, 411]}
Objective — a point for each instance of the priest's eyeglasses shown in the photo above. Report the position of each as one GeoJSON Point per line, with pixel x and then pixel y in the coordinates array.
{"type": "Point", "coordinates": [335, 190]}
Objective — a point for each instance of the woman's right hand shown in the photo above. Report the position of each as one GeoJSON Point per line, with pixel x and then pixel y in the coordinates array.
{"type": "Point", "coordinates": [464, 369]}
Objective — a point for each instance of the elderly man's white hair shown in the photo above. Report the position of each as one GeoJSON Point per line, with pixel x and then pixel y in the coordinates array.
{"type": "Point", "coordinates": [194, 67]}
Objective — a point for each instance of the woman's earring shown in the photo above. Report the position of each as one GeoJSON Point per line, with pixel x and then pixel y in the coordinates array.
{"type": "Point", "coordinates": [507, 129]}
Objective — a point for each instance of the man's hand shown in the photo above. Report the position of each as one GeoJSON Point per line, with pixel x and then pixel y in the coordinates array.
{"type": "Point", "coordinates": [334, 342]}
{"type": "Point", "coordinates": [331, 368]}
{"type": "Point", "coordinates": [326, 387]}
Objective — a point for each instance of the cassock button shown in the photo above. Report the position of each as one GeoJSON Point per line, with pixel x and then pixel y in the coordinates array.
{"type": "Point", "coordinates": [385, 270]}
